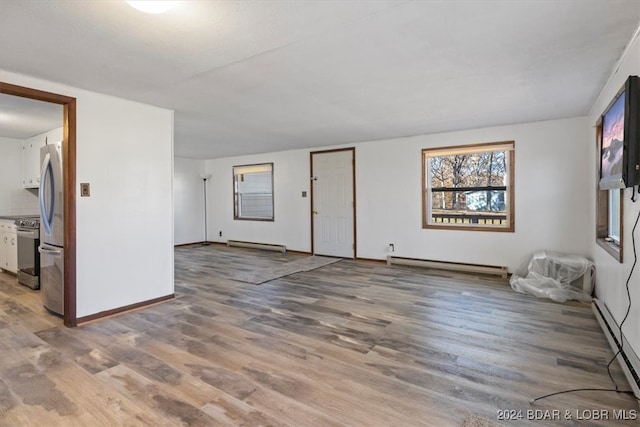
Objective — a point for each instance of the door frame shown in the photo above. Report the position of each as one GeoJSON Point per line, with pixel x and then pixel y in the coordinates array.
{"type": "Point", "coordinates": [353, 182]}
{"type": "Point", "coordinates": [69, 180]}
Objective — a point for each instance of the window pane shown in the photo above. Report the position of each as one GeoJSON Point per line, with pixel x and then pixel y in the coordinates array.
{"type": "Point", "coordinates": [253, 187]}
{"type": "Point", "coordinates": [469, 170]}
{"type": "Point", "coordinates": [614, 215]}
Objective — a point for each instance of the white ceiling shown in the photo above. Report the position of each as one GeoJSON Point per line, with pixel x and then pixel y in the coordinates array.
{"type": "Point", "coordinates": [250, 76]}
{"type": "Point", "coordinates": [23, 118]}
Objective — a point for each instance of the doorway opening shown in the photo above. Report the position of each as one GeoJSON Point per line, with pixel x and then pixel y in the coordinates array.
{"type": "Point", "coordinates": [69, 180]}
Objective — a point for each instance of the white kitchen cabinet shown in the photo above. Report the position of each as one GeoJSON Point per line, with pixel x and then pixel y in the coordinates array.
{"type": "Point", "coordinates": [31, 161]}
{"type": "Point", "coordinates": [31, 156]}
{"type": "Point", "coordinates": [8, 247]}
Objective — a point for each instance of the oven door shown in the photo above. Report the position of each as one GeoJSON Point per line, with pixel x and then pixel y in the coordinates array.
{"type": "Point", "coordinates": [28, 257]}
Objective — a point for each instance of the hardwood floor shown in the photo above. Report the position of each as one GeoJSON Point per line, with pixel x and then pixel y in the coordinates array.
{"type": "Point", "coordinates": [351, 343]}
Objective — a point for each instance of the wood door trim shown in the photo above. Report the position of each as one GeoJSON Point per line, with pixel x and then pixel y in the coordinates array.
{"type": "Point", "coordinates": [353, 183]}
{"type": "Point", "coordinates": [69, 179]}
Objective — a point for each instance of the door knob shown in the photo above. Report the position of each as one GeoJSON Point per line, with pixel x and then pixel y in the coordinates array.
{"type": "Point", "coordinates": [315, 212]}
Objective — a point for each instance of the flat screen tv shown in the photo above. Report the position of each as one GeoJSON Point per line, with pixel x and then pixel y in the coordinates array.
{"type": "Point", "coordinates": [620, 143]}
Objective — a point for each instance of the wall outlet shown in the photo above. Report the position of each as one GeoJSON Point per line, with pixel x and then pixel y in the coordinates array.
{"type": "Point", "coordinates": [219, 233]}
{"type": "Point", "coordinates": [85, 189]}
{"type": "Point", "coordinates": [392, 247]}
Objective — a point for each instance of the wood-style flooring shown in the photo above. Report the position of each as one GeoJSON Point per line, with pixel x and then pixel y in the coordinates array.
{"type": "Point", "coordinates": [351, 343]}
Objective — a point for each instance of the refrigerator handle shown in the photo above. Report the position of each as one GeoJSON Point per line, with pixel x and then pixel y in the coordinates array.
{"type": "Point", "coordinates": [47, 217]}
{"type": "Point", "coordinates": [49, 251]}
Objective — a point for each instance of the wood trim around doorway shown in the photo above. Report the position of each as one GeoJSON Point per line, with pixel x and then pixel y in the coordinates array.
{"type": "Point", "coordinates": [69, 172]}
{"type": "Point", "coordinates": [353, 183]}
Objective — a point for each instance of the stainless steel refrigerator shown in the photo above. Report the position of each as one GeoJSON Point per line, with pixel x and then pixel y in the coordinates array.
{"type": "Point", "coordinates": [51, 228]}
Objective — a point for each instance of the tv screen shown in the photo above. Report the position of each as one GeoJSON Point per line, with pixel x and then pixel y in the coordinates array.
{"type": "Point", "coordinates": [620, 139]}
{"type": "Point", "coordinates": [613, 145]}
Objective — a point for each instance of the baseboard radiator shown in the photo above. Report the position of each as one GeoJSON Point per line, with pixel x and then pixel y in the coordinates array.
{"type": "Point", "coordinates": [451, 266]}
{"type": "Point", "coordinates": [627, 358]}
{"type": "Point", "coordinates": [253, 245]}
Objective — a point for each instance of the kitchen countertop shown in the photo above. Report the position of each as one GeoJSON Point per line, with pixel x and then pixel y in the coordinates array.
{"type": "Point", "coordinates": [14, 217]}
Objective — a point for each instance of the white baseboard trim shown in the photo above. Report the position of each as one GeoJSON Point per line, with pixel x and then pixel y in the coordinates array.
{"type": "Point", "coordinates": [627, 358]}
{"type": "Point", "coordinates": [451, 266]}
{"type": "Point", "coordinates": [253, 245]}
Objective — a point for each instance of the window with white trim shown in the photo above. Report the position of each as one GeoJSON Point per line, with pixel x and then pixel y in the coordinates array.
{"type": "Point", "coordinates": [253, 192]}
{"type": "Point", "coordinates": [469, 187]}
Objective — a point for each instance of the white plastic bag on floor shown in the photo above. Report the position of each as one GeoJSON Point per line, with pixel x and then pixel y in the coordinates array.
{"type": "Point", "coordinates": [556, 276]}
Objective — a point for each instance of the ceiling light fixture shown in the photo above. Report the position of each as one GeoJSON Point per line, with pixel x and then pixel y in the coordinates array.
{"type": "Point", "coordinates": [152, 6]}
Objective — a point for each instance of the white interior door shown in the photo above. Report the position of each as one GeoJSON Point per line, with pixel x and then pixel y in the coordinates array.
{"type": "Point", "coordinates": [333, 203]}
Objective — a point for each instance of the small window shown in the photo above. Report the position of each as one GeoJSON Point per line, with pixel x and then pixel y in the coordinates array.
{"type": "Point", "coordinates": [469, 187]}
{"type": "Point", "coordinates": [253, 192]}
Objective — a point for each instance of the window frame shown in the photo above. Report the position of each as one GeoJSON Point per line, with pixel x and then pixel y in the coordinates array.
{"type": "Point", "coordinates": [470, 148]}
{"type": "Point", "coordinates": [236, 198]}
{"type": "Point", "coordinates": [603, 208]}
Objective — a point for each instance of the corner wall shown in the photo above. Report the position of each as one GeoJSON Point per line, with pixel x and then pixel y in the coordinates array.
{"type": "Point", "coordinates": [611, 275]}
{"type": "Point", "coordinates": [125, 229]}
{"type": "Point", "coordinates": [188, 200]}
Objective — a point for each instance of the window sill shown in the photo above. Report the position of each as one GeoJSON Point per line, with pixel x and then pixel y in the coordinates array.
{"type": "Point", "coordinates": [611, 248]}
{"type": "Point", "coordinates": [468, 227]}
{"type": "Point", "coordinates": [238, 218]}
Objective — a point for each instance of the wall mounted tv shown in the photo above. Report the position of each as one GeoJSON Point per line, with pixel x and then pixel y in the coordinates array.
{"type": "Point", "coordinates": [620, 138]}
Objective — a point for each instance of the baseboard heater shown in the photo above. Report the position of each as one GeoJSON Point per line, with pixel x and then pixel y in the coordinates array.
{"type": "Point", "coordinates": [253, 245]}
{"type": "Point", "coordinates": [627, 358]}
{"type": "Point", "coordinates": [452, 266]}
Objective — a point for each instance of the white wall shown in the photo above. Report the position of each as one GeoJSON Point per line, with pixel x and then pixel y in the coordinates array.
{"type": "Point", "coordinates": [611, 275]}
{"type": "Point", "coordinates": [291, 211]}
{"type": "Point", "coordinates": [188, 200]}
{"type": "Point", "coordinates": [125, 229]}
{"type": "Point", "coordinates": [552, 166]}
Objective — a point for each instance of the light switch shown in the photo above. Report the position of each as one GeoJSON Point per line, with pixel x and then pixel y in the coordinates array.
{"type": "Point", "coordinates": [304, 194]}
{"type": "Point", "coordinates": [85, 189]}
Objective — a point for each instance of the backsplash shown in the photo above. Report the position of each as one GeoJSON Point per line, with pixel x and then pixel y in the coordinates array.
{"type": "Point", "coordinates": [23, 202]}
